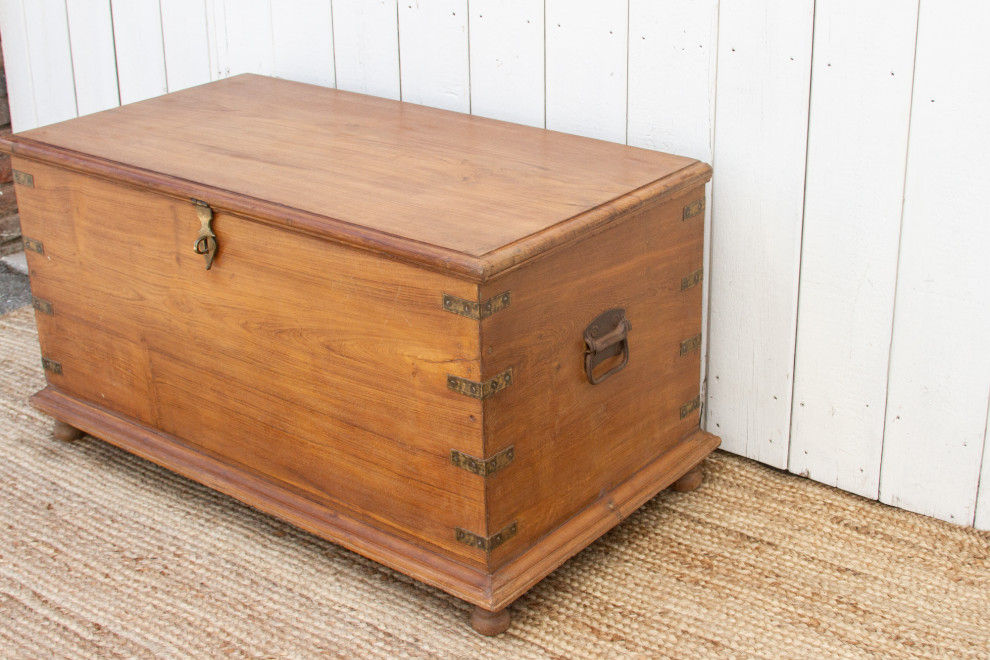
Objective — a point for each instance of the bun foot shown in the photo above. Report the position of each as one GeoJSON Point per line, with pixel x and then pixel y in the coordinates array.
{"type": "Point", "coordinates": [689, 481]}
{"type": "Point", "coordinates": [65, 432]}
{"type": "Point", "coordinates": [488, 623]}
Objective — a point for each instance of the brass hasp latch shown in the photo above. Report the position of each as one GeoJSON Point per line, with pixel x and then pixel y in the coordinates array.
{"type": "Point", "coordinates": [206, 241]}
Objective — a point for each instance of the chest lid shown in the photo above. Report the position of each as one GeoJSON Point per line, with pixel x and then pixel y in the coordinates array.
{"type": "Point", "coordinates": [453, 192]}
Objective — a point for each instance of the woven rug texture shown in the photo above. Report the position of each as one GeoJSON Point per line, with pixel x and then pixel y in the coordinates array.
{"type": "Point", "coordinates": [103, 554]}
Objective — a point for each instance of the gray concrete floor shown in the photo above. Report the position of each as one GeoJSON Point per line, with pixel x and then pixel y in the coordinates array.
{"type": "Point", "coordinates": [14, 289]}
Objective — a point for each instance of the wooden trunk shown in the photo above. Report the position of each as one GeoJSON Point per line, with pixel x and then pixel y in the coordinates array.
{"type": "Point", "coordinates": [389, 346]}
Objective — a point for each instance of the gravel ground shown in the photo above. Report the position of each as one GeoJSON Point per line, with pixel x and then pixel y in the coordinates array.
{"type": "Point", "coordinates": [14, 289]}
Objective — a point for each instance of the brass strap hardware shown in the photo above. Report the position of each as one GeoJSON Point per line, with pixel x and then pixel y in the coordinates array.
{"type": "Point", "coordinates": [481, 390]}
{"type": "Point", "coordinates": [692, 279]}
{"type": "Point", "coordinates": [206, 241]}
{"type": "Point", "coordinates": [475, 310]}
{"type": "Point", "coordinates": [605, 337]}
{"type": "Point", "coordinates": [486, 544]}
{"type": "Point", "coordinates": [691, 344]}
{"type": "Point", "coordinates": [51, 365]}
{"type": "Point", "coordinates": [484, 467]}
{"type": "Point", "coordinates": [34, 245]}
{"type": "Point", "coordinates": [23, 179]}
{"type": "Point", "coordinates": [42, 306]}
{"type": "Point", "coordinates": [694, 208]}
{"type": "Point", "coordinates": [690, 406]}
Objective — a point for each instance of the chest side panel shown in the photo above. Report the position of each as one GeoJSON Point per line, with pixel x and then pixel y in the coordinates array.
{"type": "Point", "coordinates": [574, 442]}
{"type": "Point", "coordinates": [321, 368]}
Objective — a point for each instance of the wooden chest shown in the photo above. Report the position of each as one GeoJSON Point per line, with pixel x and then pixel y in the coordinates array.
{"type": "Point", "coordinates": [460, 347]}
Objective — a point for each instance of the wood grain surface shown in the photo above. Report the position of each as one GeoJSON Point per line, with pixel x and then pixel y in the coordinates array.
{"type": "Point", "coordinates": [466, 185]}
{"type": "Point", "coordinates": [321, 366]}
{"type": "Point", "coordinates": [575, 441]}
{"type": "Point", "coordinates": [308, 373]}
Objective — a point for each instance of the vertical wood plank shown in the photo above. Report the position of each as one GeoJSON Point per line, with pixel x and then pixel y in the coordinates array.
{"type": "Point", "coordinates": [672, 76]}
{"type": "Point", "coordinates": [366, 46]}
{"type": "Point", "coordinates": [17, 65]}
{"type": "Point", "coordinates": [672, 67]}
{"type": "Point", "coordinates": [852, 220]}
{"type": "Point", "coordinates": [507, 66]}
{"type": "Point", "coordinates": [764, 63]}
{"type": "Point", "coordinates": [51, 60]}
{"type": "Point", "coordinates": [586, 57]}
{"type": "Point", "coordinates": [940, 354]}
{"type": "Point", "coordinates": [433, 50]}
{"type": "Point", "coordinates": [248, 30]}
{"type": "Point", "coordinates": [982, 520]}
{"type": "Point", "coordinates": [94, 63]}
{"type": "Point", "coordinates": [302, 41]}
{"type": "Point", "coordinates": [137, 29]}
{"type": "Point", "coordinates": [187, 43]}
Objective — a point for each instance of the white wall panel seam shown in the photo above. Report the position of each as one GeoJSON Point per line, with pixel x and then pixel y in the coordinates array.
{"type": "Point", "coordinates": [72, 64]}
{"type": "Point", "coordinates": [710, 212]}
{"type": "Point", "coordinates": [333, 46]}
{"type": "Point", "coordinates": [398, 44]}
{"type": "Point", "coordinates": [900, 236]}
{"type": "Point", "coordinates": [800, 257]}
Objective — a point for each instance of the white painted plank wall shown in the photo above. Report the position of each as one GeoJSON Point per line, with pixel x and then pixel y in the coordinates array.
{"type": "Point", "coordinates": [982, 520]}
{"type": "Point", "coordinates": [17, 66]}
{"type": "Point", "coordinates": [302, 41]}
{"type": "Point", "coordinates": [51, 60]}
{"type": "Point", "coordinates": [137, 33]}
{"type": "Point", "coordinates": [507, 61]}
{"type": "Point", "coordinates": [433, 51]}
{"type": "Point", "coordinates": [186, 42]}
{"type": "Point", "coordinates": [848, 267]}
{"type": "Point", "coordinates": [248, 34]}
{"type": "Point", "coordinates": [366, 46]}
{"type": "Point", "coordinates": [761, 122]}
{"type": "Point", "coordinates": [860, 107]}
{"type": "Point", "coordinates": [940, 356]}
{"type": "Point", "coordinates": [94, 63]}
{"type": "Point", "coordinates": [586, 58]}
{"type": "Point", "coordinates": [671, 92]}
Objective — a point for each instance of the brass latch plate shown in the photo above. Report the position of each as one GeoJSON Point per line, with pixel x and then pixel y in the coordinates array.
{"type": "Point", "coordinates": [691, 344]}
{"type": "Point", "coordinates": [34, 245]}
{"type": "Point", "coordinates": [23, 179]}
{"type": "Point", "coordinates": [693, 279]}
{"type": "Point", "coordinates": [694, 208]}
{"type": "Point", "coordinates": [52, 366]}
{"type": "Point", "coordinates": [42, 306]}
{"type": "Point", "coordinates": [690, 406]}
{"type": "Point", "coordinates": [481, 390]}
{"type": "Point", "coordinates": [486, 544]}
{"type": "Point", "coordinates": [473, 309]}
{"type": "Point", "coordinates": [484, 467]}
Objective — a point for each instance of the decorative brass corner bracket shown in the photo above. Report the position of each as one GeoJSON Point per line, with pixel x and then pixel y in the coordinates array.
{"type": "Point", "coordinates": [696, 207]}
{"type": "Point", "coordinates": [51, 366]}
{"type": "Point", "coordinates": [486, 544]}
{"type": "Point", "coordinates": [690, 406]}
{"type": "Point", "coordinates": [483, 467]}
{"type": "Point", "coordinates": [481, 390]}
{"type": "Point", "coordinates": [476, 310]}
{"type": "Point", "coordinates": [693, 279]}
{"type": "Point", "coordinates": [42, 306]}
{"type": "Point", "coordinates": [23, 179]}
{"type": "Point", "coordinates": [34, 245]}
{"type": "Point", "coordinates": [691, 344]}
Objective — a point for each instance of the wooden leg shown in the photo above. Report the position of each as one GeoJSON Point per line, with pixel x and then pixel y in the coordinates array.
{"type": "Point", "coordinates": [689, 481]}
{"type": "Point", "coordinates": [65, 432]}
{"type": "Point", "coordinates": [488, 623]}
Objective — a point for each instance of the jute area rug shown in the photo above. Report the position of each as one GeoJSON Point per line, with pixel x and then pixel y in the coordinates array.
{"type": "Point", "coordinates": [106, 555]}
